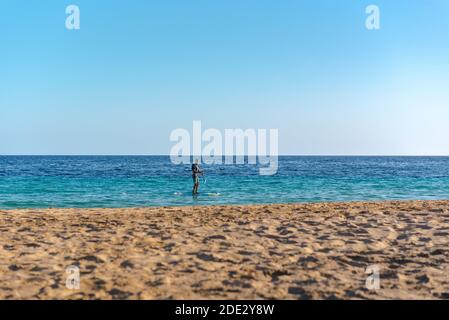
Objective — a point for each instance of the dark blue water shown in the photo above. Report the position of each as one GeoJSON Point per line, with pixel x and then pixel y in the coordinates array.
{"type": "Point", "coordinates": [134, 181]}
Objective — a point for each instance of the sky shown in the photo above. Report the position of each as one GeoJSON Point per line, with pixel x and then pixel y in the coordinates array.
{"type": "Point", "coordinates": [137, 70]}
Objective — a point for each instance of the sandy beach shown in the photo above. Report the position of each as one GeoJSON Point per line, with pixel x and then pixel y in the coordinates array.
{"type": "Point", "coordinates": [291, 251]}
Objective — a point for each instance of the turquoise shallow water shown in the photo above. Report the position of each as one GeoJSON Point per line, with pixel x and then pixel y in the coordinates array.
{"type": "Point", "coordinates": [129, 181]}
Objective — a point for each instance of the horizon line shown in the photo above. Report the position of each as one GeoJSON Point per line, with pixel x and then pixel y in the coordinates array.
{"type": "Point", "coordinates": [167, 155]}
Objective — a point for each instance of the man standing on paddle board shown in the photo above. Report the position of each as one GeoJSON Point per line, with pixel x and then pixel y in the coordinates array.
{"type": "Point", "coordinates": [196, 171]}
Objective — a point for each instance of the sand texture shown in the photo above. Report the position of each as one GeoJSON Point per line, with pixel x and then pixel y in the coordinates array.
{"type": "Point", "coordinates": [291, 251]}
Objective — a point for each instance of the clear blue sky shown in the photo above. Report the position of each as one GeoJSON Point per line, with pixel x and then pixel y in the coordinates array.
{"type": "Point", "coordinates": [138, 69]}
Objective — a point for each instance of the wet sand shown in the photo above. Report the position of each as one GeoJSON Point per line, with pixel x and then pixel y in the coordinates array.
{"type": "Point", "coordinates": [280, 251]}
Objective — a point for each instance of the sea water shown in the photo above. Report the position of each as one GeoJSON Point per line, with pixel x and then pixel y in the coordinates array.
{"type": "Point", "coordinates": [137, 181]}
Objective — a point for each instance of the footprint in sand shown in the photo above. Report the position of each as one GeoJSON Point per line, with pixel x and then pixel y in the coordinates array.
{"type": "Point", "coordinates": [118, 294]}
{"type": "Point", "coordinates": [214, 237]}
{"type": "Point", "coordinates": [127, 264]}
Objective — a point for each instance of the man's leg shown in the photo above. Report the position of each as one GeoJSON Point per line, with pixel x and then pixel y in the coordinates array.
{"type": "Point", "coordinates": [197, 184]}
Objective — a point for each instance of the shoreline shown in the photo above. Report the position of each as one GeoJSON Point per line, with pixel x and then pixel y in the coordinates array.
{"type": "Point", "coordinates": [317, 250]}
{"type": "Point", "coordinates": [224, 206]}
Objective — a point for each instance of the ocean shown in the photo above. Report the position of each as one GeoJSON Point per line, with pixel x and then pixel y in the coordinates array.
{"type": "Point", "coordinates": [138, 181]}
